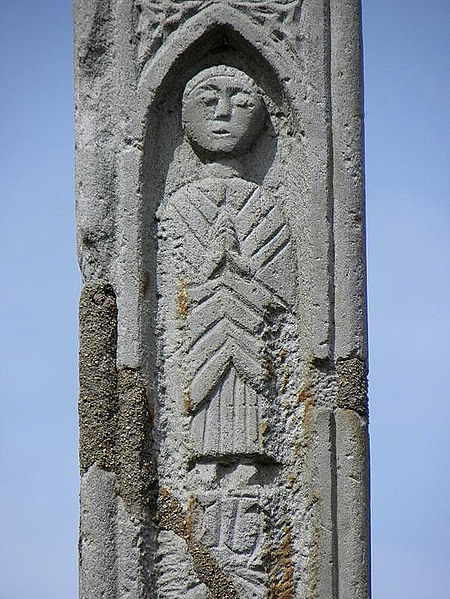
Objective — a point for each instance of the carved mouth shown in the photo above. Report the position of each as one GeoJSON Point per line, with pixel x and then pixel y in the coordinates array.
{"type": "Point", "coordinates": [221, 132]}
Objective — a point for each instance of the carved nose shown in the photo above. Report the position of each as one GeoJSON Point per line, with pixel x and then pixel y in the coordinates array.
{"type": "Point", "coordinates": [223, 109]}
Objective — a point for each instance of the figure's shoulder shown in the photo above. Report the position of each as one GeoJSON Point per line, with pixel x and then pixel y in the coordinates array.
{"type": "Point", "coordinates": [184, 190]}
{"type": "Point", "coordinates": [177, 198]}
{"type": "Point", "coordinates": [243, 186]}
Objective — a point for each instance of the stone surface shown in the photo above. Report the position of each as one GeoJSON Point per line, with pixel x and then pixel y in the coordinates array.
{"type": "Point", "coordinates": [223, 391]}
{"type": "Point", "coordinates": [353, 501]}
{"type": "Point", "coordinates": [98, 376]}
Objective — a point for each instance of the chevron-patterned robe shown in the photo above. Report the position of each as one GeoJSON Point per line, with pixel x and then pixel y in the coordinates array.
{"type": "Point", "coordinates": [234, 254]}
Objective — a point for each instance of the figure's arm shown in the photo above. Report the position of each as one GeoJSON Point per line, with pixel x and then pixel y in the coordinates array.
{"type": "Point", "coordinates": [214, 258]}
{"type": "Point", "coordinates": [225, 249]}
{"type": "Point", "coordinates": [222, 241]}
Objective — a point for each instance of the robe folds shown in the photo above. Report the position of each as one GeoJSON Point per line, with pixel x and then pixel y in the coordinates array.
{"type": "Point", "coordinates": [233, 259]}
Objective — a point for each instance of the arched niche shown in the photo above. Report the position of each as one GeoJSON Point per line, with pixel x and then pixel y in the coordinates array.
{"type": "Point", "coordinates": [198, 36]}
{"type": "Point", "coordinates": [274, 164]}
{"type": "Point", "coordinates": [215, 36]}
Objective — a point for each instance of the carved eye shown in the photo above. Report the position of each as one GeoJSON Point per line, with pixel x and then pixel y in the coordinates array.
{"type": "Point", "coordinates": [208, 99]}
{"type": "Point", "coordinates": [244, 101]}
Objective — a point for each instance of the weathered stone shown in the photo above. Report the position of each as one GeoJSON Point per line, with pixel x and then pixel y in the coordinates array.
{"type": "Point", "coordinates": [352, 384]}
{"type": "Point", "coordinates": [223, 328]}
{"type": "Point", "coordinates": [136, 474]}
{"type": "Point", "coordinates": [97, 547]}
{"type": "Point", "coordinates": [353, 520]}
{"type": "Point", "coordinates": [98, 378]}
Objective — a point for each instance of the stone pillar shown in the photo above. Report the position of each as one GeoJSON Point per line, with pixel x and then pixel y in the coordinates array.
{"type": "Point", "coordinates": [223, 359]}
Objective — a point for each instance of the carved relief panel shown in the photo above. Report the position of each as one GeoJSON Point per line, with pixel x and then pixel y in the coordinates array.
{"type": "Point", "coordinates": [220, 204]}
{"type": "Point", "coordinates": [229, 263]}
{"type": "Point", "coordinates": [157, 19]}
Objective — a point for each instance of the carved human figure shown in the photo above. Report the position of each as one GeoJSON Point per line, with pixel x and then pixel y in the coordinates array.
{"type": "Point", "coordinates": [227, 254]}
{"type": "Point", "coordinates": [234, 258]}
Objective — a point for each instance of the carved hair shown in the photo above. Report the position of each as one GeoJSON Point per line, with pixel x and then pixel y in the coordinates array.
{"type": "Point", "coordinates": [221, 70]}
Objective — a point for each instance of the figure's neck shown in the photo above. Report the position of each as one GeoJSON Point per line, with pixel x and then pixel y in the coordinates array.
{"type": "Point", "coordinates": [224, 168]}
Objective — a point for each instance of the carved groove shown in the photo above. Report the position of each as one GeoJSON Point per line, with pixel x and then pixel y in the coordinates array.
{"type": "Point", "coordinates": [226, 347]}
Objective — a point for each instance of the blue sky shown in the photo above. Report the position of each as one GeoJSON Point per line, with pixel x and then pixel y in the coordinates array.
{"type": "Point", "coordinates": [408, 204]}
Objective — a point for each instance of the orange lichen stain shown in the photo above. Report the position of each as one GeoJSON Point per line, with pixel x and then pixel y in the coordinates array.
{"type": "Point", "coordinates": [281, 355]}
{"type": "Point", "coordinates": [308, 403]}
{"type": "Point", "coordinates": [285, 378]}
{"type": "Point", "coordinates": [164, 491]}
{"type": "Point", "coordinates": [305, 394]}
{"type": "Point", "coordinates": [306, 397]}
{"type": "Point", "coordinates": [281, 574]}
{"type": "Point", "coordinates": [187, 401]}
{"type": "Point", "coordinates": [263, 427]}
{"type": "Point", "coordinates": [183, 301]}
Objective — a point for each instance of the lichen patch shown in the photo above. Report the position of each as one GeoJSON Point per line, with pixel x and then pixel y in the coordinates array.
{"type": "Point", "coordinates": [281, 570]}
{"type": "Point", "coordinates": [183, 301]}
{"type": "Point", "coordinates": [352, 385]}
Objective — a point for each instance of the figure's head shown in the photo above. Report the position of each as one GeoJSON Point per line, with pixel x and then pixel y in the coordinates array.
{"type": "Point", "coordinates": [223, 112]}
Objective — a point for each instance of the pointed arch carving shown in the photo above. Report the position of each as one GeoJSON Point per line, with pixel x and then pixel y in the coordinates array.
{"type": "Point", "coordinates": [156, 20]}
{"type": "Point", "coordinates": [216, 34]}
{"type": "Point", "coordinates": [223, 316]}
{"type": "Point", "coordinates": [200, 34]}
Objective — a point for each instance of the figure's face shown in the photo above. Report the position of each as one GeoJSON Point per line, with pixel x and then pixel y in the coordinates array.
{"type": "Point", "coordinates": [223, 115]}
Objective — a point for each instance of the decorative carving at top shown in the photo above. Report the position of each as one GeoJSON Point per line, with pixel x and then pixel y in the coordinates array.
{"type": "Point", "coordinates": [157, 19]}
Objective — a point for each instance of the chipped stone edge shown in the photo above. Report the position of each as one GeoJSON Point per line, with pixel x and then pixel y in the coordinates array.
{"type": "Point", "coordinates": [352, 512]}
{"type": "Point", "coordinates": [352, 385]}
{"type": "Point", "coordinates": [118, 497]}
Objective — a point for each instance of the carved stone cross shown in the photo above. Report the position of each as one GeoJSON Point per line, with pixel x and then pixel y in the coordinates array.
{"type": "Point", "coordinates": [220, 193]}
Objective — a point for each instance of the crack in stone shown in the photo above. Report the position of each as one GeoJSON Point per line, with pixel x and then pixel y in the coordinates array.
{"type": "Point", "coordinates": [172, 517]}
